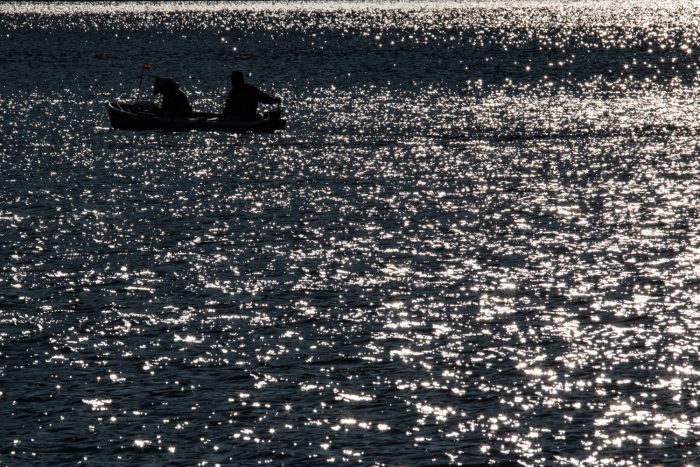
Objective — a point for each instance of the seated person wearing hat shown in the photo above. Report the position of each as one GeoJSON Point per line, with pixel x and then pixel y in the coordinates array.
{"type": "Point", "coordinates": [174, 103]}
{"type": "Point", "coordinates": [242, 100]}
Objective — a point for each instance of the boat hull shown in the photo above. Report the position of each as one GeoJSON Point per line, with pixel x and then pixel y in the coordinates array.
{"type": "Point", "coordinates": [130, 117]}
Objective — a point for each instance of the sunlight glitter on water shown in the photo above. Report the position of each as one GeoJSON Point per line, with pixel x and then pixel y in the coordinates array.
{"type": "Point", "coordinates": [476, 241]}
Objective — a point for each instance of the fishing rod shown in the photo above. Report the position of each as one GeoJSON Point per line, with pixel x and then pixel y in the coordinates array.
{"type": "Point", "coordinates": [146, 67]}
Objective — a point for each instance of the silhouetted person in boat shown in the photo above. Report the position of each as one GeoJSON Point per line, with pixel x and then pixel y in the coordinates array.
{"type": "Point", "coordinates": [174, 103]}
{"type": "Point", "coordinates": [242, 100]}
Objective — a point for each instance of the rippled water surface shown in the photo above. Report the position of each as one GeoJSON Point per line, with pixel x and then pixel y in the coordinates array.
{"type": "Point", "coordinates": [477, 241]}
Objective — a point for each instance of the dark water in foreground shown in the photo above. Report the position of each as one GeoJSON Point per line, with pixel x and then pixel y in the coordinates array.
{"type": "Point", "coordinates": [477, 240]}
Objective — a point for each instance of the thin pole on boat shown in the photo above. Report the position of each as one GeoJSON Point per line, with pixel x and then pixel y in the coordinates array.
{"type": "Point", "coordinates": [144, 68]}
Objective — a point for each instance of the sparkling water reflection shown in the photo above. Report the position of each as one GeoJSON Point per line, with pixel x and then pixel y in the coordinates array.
{"type": "Point", "coordinates": [476, 242]}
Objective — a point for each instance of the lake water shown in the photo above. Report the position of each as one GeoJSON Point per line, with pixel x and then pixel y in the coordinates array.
{"type": "Point", "coordinates": [477, 240]}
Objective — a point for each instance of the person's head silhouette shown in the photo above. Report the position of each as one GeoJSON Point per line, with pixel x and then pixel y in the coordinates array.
{"type": "Point", "coordinates": [237, 79]}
